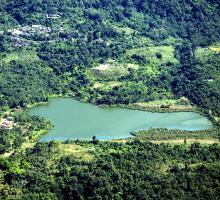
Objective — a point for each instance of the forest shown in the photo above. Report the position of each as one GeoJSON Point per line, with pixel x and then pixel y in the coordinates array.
{"type": "Point", "coordinates": [134, 170]}
{"type": "Point", "coordinates": [110, 53]}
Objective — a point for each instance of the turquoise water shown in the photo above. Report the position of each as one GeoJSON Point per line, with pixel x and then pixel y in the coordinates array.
{"type": "Point", "coordinates": [75, 120]}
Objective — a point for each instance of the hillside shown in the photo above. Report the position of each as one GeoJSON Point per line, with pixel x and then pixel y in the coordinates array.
{"type": "Point", "coordinates": [154, 55]}
{"type": "Point", "coordinates": [70, 38]}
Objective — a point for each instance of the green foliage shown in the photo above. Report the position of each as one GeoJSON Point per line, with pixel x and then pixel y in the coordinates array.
{"type": "Point", "coordinates": [135, 170]}
{"type": "Point", "coordinates": [26, 81]}
{"type": "Point", "coordinates": [25, 129]}
{"type": "Point", "coordinates": [84, 34]}
{"type": "Point", "coordinates": [198, 79]}
{"type": "Point", "coordinates": [165, 134]}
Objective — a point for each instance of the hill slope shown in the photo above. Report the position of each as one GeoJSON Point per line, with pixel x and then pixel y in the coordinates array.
{"type": "Point", "coordinates": [159, 55]}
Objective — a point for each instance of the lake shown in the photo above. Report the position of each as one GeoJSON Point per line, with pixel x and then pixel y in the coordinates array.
{"type": "Point", "coordinates": [75, 120]}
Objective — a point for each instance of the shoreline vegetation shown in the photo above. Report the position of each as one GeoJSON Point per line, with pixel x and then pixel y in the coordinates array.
{"type": "Point", "coordinates": [155, 56]}
{"type": "Point", "coordinates": [138, 106]}
{"type": "Point", "coordinates": [137, 135]}
{"type": "Point", "coordinates": [135, 106]}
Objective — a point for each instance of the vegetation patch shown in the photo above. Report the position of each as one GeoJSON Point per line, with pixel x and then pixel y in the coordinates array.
{"type": "Point", "coordinates": [106, 86]}
{"type": "Point", "coordinates": [77, 151]}
{"type": "Point", "coordinates": [216, 49]}
{"type": "Point", "coordinates": [112, 70]}
{"type": "Point", "coordinates": [181, 104]}
{"type": "Point", "coordinates": [173, 43]}
{"type": "Point", "coordinates": [22, 56]}
{"type": "Point", "coordinates": [154, 55]}
{"type": "Point", "coordinates": [166, 134]}
{"type": "Point", "coordinates": [116, 169]}
{"type": "Point", "coordinates": [188, 141]}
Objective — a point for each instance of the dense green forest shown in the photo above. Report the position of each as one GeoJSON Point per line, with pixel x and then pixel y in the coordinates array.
{"type": "Point", "coordinates": [110, 52]}
{"type": "Point", "coordinates": [135, 170]}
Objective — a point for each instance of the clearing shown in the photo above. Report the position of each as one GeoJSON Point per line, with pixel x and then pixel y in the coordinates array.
{"type": "Point", "coordinates": [188, 141]}
{"type": "Point", "coordinates": [112, 69]}
{"type": "Point", "coordinates": [171, 104]}
{"type": "Point", "coordinates": [77, 151]}
{"type": "Point", "coordinates": [151, 54]}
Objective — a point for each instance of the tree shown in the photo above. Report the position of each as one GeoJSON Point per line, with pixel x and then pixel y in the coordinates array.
{"type": "Point", "coordinates": [94, 140]}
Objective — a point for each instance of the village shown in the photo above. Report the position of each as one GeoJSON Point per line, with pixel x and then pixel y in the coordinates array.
{"type": "Point", "coordinates": [27, 31]}
{"type": "Point", "coordinates": [7, 123]}
{"type": "Point", "coordinates": [7, 119]}
{"type": "Point", "coordinates": [35, 29]}
{"type": "Point", "coordinates": [22, 34]}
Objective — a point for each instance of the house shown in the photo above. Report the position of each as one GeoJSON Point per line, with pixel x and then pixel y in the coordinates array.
{"type": "Point", "coordinates": [30, 31]}
{"type": "Point", "coordinates": [5, 126]}
{"type": "Point", "coordinates": [52, 16]}
{"type": "Point", "coordinates": [5, 122]}
{"type": "Point", "coordinates": [10, 118]}
{"type": "Point", "coordinates": [36, 26]}
{"type": "Point", "coordinates": [16, 32]}
{"type": "Point", "coordinates": [20, 44]}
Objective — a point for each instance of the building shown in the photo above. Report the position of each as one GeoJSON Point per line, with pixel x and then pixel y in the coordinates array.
{"type": "Point", "coordinates": [52, 16]}
{"type": "Point", "coordinates": [10, 118]}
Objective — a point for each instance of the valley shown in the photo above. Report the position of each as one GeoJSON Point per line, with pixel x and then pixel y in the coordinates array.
{"type": "Point", "coordinates": [141, 120]}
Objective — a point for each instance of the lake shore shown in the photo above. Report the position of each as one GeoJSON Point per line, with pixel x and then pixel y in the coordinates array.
{"type": "Point", "coordinates": [136, 106]}
{"type": "Point", "coordinates": [70, 116]}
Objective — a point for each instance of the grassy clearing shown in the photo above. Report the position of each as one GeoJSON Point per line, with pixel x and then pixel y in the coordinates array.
{"type": "Point", "coordinates": [216, 49]}
{"type": "Point", "coordinates": [23, 56]}
{"type": "Point", "coordinates": [171, 41]}
{"type": "Point", "coordinates": [150, 71]}
{"type": "Point", "coordinates": [7, 154]}
{"type": "Point", "coordinates": [77, 151]}
{"type": "Point", "coordinates": [149, 53]}
{"type": "Point", "coordinates": [188, 141]}
{"type": "Point", "coordinates": [106, 86]}
{"type": "Point", "coordinates": [37, 134]}
{"type": "Point", "coordinates": [126, 30]}
{"type": "Point", "coordinates": [111, 70]}
{"type": "Point", "coordinates": [165, 168]}
{"type": "Point", "coordinates": [205, 53]}
{"type": "Point", "coordinates": [155, 57]}
{"type": "Point", "coordinates": [27, 145]}
{"type": "Point", "coordinates": [172, 104]}
{"type": "Point", "coordinates": [143, 41]}
{"type": "Point", "coordinates": [123, 141]}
